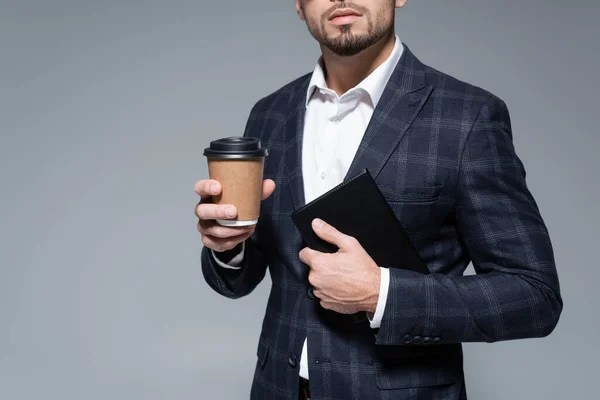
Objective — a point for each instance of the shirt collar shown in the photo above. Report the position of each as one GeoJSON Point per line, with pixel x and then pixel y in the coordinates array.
{"type": "Point", "coordinates": [374, 84]}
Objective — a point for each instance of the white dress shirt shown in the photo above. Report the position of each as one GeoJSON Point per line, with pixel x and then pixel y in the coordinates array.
{"type": "Point", "coordinates": [333, 129]}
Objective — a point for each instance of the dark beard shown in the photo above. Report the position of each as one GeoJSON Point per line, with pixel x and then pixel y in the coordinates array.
{"type": "Point", "coordinates": [347, 43]}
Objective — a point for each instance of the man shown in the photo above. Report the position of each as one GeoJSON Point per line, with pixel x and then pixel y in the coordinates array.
{"type": "Point", "coordinates": [339, 326]}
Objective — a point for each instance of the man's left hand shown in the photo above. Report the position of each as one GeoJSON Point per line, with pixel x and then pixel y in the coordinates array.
{"type": "Point", "coordinates": [347, 281]}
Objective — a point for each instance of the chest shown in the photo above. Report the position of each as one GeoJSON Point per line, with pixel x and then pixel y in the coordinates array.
{"type": "Point", "coordinates": [332, 134]}
{"type": "Point", "coordinates": [418, 180]}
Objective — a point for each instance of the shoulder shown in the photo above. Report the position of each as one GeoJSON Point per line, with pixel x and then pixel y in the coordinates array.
{"type": "Point", "coordinates": [282, 97]}
{"type": "Point", "coordinates": [472, 97]}
{"type": "Point", "coordinates": [465, 104]}
{"type": "Point", "coordinates": [270, 111]}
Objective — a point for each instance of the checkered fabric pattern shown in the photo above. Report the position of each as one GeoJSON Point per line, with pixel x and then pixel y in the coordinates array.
{"type": "Point", "coordinates": [442, 153]}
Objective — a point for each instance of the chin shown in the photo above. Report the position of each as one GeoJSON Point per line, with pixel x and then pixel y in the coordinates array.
{"type": "Point", "coordinates": [346, 31]}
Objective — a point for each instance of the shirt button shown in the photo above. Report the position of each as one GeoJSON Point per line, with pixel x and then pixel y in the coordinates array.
{"type": "Point", "coordinates": [323, 175]}
{"type": "Point", "coordinates": [292, 360]}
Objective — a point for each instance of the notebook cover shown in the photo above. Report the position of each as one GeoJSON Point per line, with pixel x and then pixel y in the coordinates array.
{"type": "Point", "coordinates": [357, 208]}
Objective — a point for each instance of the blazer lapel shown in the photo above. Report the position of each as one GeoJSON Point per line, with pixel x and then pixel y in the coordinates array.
{"type": "Point", "coordinates": [293, 137]}
{"type": "Point", "coordinates": [404, 96]}
{"type": "Point", "coordinates": [401, 101]}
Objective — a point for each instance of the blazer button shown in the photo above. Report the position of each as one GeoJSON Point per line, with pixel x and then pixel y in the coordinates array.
{"type": "Point", "coordinates": [437, 340]}
{"type": "Point", "coordinates": [417, 339]}
{"type": "Point", "coordinates": [292, 360]}
{"type": "Point", "coordinates": [407, 339]}
{"type": "Point", "coordinates": [359, 317]}
{"type": "Point", "coordinates": [310, 293]}
{"type": "Point", "coordinates": [426, 340]}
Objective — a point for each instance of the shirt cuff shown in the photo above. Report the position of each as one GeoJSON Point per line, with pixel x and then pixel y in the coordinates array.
{"type": "Point", "coordinates": [234, 262]}
{"type": "Point", "coordinates": [384, 285]}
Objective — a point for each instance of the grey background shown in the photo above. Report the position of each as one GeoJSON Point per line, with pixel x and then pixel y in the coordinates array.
{"type": "Point", "coordinates": [105, 107]}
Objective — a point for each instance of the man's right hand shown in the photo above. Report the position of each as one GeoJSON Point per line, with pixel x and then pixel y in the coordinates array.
{"type": "Point", "coordinates": [214, 236]}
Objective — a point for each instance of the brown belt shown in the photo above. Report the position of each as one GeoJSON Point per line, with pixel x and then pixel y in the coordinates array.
{"type": "Point", "coordinates": [304, 392]}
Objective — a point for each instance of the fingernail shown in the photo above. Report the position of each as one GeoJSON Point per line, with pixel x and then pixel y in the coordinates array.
{"type": "Point", "coordinates": [229, 212]}
{"type": "Point", "coordinates": [318, 222]}
{"type": "Point", "coordinates": [213, 189]}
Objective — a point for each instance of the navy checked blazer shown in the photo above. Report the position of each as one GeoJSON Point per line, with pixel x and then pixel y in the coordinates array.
{"type": "Point", "coordinates": [441, 151]}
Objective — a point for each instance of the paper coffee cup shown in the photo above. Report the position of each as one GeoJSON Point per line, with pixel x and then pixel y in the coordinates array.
{"type": "Point", "coordinates": [237, 163]}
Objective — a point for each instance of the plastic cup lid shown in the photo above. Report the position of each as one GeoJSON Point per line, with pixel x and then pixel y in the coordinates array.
{"type": "Point", "coordinates": [235, 147]}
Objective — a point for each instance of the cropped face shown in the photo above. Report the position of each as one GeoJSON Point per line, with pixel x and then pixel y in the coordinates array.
{"type": "Point", "coordinates": [348, 27]}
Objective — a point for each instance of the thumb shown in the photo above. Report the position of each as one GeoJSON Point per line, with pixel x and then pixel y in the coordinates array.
{"type": "Point", "coordinates": [268, 188]}
{"type": "Point", "coordinates": [330, 234]}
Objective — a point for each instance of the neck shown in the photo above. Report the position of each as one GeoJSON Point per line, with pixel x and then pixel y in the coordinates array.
{"type": "Point", "coordinates": [342, 73]}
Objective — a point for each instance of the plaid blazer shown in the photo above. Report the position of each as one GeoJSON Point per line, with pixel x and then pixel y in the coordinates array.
{"type": "Point", "coordinates": [441, 151]}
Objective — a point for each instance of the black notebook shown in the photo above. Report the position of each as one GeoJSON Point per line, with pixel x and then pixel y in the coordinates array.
{"type": "Point", "coordinates": [357, 208]}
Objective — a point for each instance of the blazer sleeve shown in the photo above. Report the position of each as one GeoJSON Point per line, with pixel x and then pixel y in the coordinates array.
{"type": "Point", "coordinates": [251, 269]}
{"type": "Point", "coordinates": [515, 292]}
{"type": "Point", "coordinates": [235, 283]}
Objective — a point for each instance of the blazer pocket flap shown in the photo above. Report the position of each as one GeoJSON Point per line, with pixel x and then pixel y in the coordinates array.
{"type": "Point", "coordinates": [263, 350]}
{"type": "Point", "coordinates": [420, 194]}
{"type": "Point", "coordinates": [405, 373]}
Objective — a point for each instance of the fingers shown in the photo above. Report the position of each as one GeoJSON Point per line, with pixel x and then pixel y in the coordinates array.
{"type": "Point", "coordinates": [211, 187]}
{"type": "Point", "coordinates": [222, 238]}
{"type": "Point", "coordinates": [331, 235]}
{"type": "Point", "coordinates": [307, 255]}
{"type": "Point", "coordinates": [207, 187]}
{"type": "Point", "coordinates": [213, 229]}
{"type": "Point", "coordinates": [215, 211]}
{"type": "Point", "coordinates": [215, 236]}
{"type": "Point", "coordinates": [268, 188]}
{"type": "Point", "coordinates": [221, 245]}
